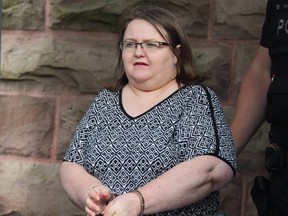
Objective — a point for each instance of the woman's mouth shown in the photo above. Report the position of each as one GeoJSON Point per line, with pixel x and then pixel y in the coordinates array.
{"type": "Point", "coordinates": [140, 63]}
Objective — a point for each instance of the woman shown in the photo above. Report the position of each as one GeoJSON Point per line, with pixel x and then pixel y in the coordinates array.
{"type": "Point", "coordinates": [148, 146]}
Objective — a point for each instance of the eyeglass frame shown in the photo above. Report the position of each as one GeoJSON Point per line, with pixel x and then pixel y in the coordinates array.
{"type": "Point", "coordinates": [160, 44]}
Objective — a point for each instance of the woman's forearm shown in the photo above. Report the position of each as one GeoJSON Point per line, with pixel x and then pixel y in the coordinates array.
{"type": "Point", "coordinates": [77, 183]}
{"type": "Point", "coordinates": [186, 183]}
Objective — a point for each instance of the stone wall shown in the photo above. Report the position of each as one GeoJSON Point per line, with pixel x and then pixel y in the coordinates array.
{"type": "Point", "coordinates": [55, 55]}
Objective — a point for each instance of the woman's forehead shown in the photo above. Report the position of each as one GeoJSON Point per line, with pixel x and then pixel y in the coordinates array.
{"type": "Point", "coordinates": [142, 28]}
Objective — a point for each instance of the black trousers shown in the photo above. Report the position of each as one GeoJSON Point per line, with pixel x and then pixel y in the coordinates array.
{"type": "Point", "coordinates": [279, 192]}
{"type": "Point", "coordinates": [279, 180]}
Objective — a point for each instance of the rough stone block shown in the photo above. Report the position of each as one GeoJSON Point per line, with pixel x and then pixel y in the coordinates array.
{"type": "Point", "coordinates": [233, 19]}
{"type": "Point", "coordinates": [27, 125]}
{"type": "Point", "coordinates": [31, 188]}
{"type": "Point", "coordinates": [71, 112]}
{"type": "Point", "coordinates": [60, 63]}
{"type": "Point", "coordinates": [23, 14]}
{"type": "Point", "coordinates": [213, 61]}
{"type": "Point", "coordinates": [104, 15]}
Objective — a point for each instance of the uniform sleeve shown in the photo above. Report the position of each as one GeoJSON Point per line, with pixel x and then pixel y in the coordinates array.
{"type": "Point", "coordinates": [267, 26]}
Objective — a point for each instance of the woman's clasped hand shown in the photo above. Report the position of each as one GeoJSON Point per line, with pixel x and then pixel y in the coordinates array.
{"type": "Point", "coordinates": [102, 202]}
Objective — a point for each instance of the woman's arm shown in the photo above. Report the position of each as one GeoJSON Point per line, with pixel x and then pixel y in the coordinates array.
{"type": "Point", "coordinates": [77, 183]}
{"type": "Point", "coordinates": [186, 183]}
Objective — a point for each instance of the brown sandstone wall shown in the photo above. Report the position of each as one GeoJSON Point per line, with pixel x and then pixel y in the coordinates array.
{"type": "Point", "coordinates": [54, 55]}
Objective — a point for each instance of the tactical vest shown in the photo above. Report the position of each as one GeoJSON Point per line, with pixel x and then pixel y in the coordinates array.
{"type": "Point", "coordinates": [277, 97]}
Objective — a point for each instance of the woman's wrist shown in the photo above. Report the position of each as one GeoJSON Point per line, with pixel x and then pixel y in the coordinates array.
{"type": "Point", "coordinates": [141, 199]}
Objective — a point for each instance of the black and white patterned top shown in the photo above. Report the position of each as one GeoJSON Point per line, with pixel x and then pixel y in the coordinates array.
{"type": "Point", "coordinates": [127, 152]}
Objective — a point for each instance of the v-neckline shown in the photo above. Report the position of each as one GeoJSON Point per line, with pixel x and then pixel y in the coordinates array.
{"type": "Point", "coordinates": [148, 110]}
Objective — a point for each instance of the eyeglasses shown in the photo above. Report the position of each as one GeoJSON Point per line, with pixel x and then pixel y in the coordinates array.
{"type": "Point", "coordinates": [147, 45]}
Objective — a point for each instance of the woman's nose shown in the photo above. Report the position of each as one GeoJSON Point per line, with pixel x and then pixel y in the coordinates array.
{"type": "Point", "coordinates": [139, 51]}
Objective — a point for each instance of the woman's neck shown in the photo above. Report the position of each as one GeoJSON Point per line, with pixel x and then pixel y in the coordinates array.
{"type": "Point", "coordinates": [137, 101]}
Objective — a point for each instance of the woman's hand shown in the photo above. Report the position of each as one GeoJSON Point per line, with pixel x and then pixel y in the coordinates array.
{"type": "Point", "coordinates": [124, 205]}
{"type": "Point", "coordinates": [97, 200]}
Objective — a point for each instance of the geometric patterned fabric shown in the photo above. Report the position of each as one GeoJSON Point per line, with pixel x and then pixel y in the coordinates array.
{"type": "Point", "coordinates": [127, 152]}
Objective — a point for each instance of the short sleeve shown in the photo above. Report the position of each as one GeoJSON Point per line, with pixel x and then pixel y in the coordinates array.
{"type": "Point", "coordinates": [226, 148]}
{"type": "Point", "coordinates": [77, 150]}
{"type": "Point", "coordinates": [203, 129]}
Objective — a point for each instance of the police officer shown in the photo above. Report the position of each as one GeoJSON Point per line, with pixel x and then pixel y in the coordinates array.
{"type": "Point", "coordinates": [264, 95]}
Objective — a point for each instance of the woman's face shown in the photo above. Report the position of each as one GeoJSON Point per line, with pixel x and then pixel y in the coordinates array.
{"type": "Point", "coordinates": [145, 68]}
